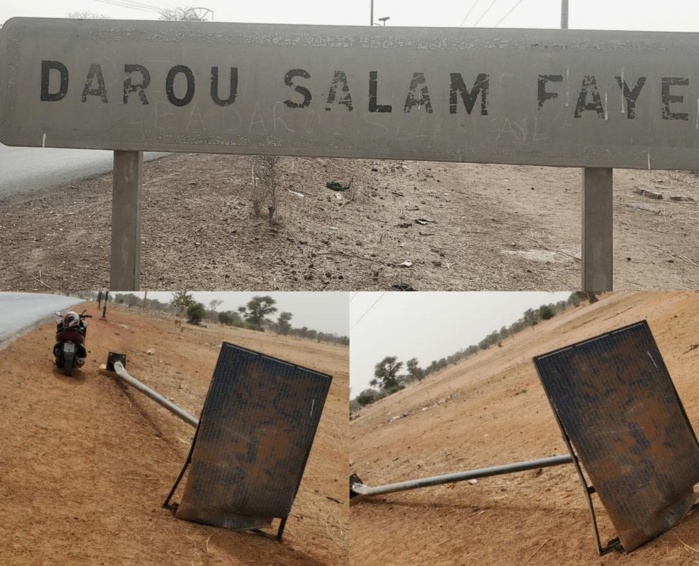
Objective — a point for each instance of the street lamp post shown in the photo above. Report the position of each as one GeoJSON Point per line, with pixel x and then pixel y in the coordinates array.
{"type": "Point", "coordinates": [371, 23]}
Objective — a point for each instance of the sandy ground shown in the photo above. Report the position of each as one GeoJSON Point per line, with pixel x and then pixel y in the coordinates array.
{"type": "Point", "coordinates": [86, 464]}
{"type": "Point", "coordinates": [490, 410]}
{"type": "Point", "coordinates": [485, 227]}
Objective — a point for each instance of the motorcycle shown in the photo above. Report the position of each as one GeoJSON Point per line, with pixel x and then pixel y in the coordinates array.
{"type": "Point", "coordinates": [69, 350]}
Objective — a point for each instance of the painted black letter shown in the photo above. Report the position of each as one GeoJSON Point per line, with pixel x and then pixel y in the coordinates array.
{"type": "Point", "coordinates": [373, 88]}
{"type": "Point", "coordinates": [670, 98]}
{"type": "Point", "coordinates": [543, 94]}
{"type": "Point", "coordinates": [631, 96]}
{"type": "Point", "coordinates": [95, 72]}
{"type": "Point", "coordinates": [300, 89]}
{"type": "Point", "coordinates": [170, 82]}
{"type": "Point", "coordinates": [340, 78]}
{"type": "Point", "coordinates": [233, 92]}
{"type": "Point", "coordinates": [138, 88]}
{"type": "Point", "coordinates": [589, 86]}
{"type": "Point", "coordinates": [481, 86]}
{"type": "Point", "coordinates": [415, 98]}
{"type": "Point", "coordinates": [46, 67]}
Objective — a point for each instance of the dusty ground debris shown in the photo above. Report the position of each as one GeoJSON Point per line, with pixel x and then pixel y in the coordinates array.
{"type": "Point", "coordinates": [460, 226]}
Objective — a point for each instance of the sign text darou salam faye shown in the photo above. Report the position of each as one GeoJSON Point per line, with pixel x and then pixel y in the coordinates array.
{"type": "Point", "coordinates": [589, 98]}
{"type": "Point", "coordinates": [546, 97]}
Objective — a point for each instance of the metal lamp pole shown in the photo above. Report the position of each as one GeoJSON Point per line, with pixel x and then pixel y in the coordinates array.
{"type": "Point", "coordinates": [371, 23]}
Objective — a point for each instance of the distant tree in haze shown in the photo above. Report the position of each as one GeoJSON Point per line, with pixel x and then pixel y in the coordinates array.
{"type": "Point", "coordinates": [86, 15]}
{"type": "Point", "coordinates": [182, 300]}
{"type": "Point", "coordinates": [577, 298]}
{"type": "Point", "coordinates": [531, 317]}
{"type": "Point", "coordinates": [256, 311]}
{"type": "Point", "coordinates": [546, 312]}
{"type": "Point", "coordinates": [367, 397]}
{"type": "Point", "coordinates": [188, 14]}
{"type": "Point", "coordinates": [386, 374]}
{"type": "Point", "coordinates": [283, 325]}
{"type": "Point", "coordinates": [230, 318]}
{"type": "Point", "coordinates": [415, 372]}
{"type": "Point", "coordinates": [213, 307]}
{"type": "Point", "coordinates": [196, 313]}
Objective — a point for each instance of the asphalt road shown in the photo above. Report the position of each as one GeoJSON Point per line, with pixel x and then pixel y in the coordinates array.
{"type": "Point", "coordinates": [25, 169]}
{"type": "Point", "coordinates": [21, 311]}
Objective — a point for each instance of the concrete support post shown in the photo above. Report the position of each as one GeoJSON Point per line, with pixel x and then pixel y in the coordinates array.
{"type": "Point", "coordinates": [597, 230]}
{"type": "Point", "coordinates": [125, 268]}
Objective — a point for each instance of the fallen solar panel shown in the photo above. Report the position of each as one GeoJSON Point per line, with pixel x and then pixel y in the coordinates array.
{"type": "Point", "coordinates": [252, 443]}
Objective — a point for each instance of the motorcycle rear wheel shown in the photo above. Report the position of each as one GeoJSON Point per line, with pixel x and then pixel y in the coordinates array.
{"type": "Point", "coordinates": [68, 364]}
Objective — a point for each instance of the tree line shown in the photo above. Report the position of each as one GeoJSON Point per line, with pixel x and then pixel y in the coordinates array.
{"type": "Point", "coordinates": [256, 314]}
{"type": "Point", "coordinates": [389, 377]}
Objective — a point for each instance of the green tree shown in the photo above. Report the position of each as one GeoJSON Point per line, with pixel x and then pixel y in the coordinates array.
{"type": "Point", "coordinates": [577, 297]}
{"type": "Point", "coordinates": [415, 372]}
{"type": "Point", "coordinates": [196, 313]}
{"type": "Point", "coordinates": [531, 317]}
{"type": "Point", "coordinates": [182, 300]}
{"type": "Point", "coordinates": [367, 397]}
{"type": "Point", "coordinates": [256, 311]}
{"type": "Point", "coordinates": [230, 318]}
{"type": "Point", "coordinates": [283, 325]}
{"type": "Point", "coordinates": [546, 312]}
{"type": "Point", "coordinates": [386, 374]}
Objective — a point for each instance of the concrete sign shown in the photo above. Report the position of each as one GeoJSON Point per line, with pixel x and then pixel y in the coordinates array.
{"type": "Point", "coordinates": [546, 97]}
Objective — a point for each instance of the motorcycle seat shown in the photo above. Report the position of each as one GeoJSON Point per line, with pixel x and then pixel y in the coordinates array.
{"type": "Point", "coordinates": [70, 336]}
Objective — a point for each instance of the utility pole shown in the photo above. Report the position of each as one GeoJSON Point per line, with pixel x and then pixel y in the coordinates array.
{"type": "Point", "coordinates": [564, 14]}
{"type": "Point", "coordinates": [371, 23]}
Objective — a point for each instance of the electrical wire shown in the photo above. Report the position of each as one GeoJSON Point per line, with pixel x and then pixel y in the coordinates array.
{"type": "Point", "coordinates": [368, 310]}
{"type": "Point", "coordinates": [469, 13]}
{"type": "Point", "coordinates": [484, 13]}
{"type": "Point", "coordinates": [508, 13]}
{"type": "Point", "coordinates": [132, 5]}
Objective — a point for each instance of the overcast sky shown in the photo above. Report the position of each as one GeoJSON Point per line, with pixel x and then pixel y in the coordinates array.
{"type": "Point", "coordinates": [427, 326]}
{"type": "Point", "coordinates": [326, 312]}
{"type": "Point", "coordinates": [665, 15]}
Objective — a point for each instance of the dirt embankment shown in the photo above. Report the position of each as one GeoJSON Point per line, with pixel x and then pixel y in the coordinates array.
{"type": "Point", "coordinates": [86, 463]}
{"type": "Point", "coordinates": [490, 410]}
{"type": "Point", "coordinates": [420, 225]}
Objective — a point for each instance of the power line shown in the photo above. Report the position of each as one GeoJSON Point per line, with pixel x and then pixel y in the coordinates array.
{"type": "Point", "coordinates": [484, 13]}
{"type": "Point", "coordinates": [469, 13]}
{"type": "Point", "coordinates": [367, 311]}
{"type": "Point", "coordinates": [508, 13]}
{"type": "Point", "coordinates": [131, 5]}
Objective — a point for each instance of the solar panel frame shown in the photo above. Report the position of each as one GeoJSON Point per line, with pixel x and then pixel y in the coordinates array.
{"type": "Point", "coordinates": [253, 441]}
{"type": "Point", "coordinates": [622, 418]}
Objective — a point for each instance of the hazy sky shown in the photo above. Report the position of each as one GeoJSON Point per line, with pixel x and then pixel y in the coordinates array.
{"type": "Point", "coordinates": [327, 312]}
{"type": "Point", "coordinates": [427, 326]}
{"type": "Point", "coordinates": [666, 15]}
